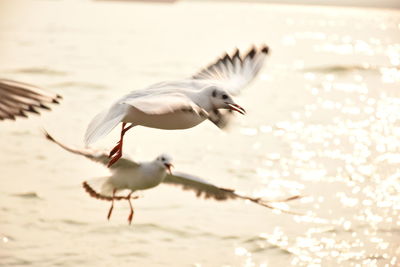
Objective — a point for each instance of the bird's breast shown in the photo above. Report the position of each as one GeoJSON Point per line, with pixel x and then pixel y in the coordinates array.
{"type": "Point", "coordinates": [149, 178]}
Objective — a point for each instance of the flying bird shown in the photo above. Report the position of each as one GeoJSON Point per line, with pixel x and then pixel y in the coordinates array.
{"type": "Point", "coordinates": [132, 175]}
{"type": "Point", "coordinates": [17, 99]}
{"type": "Point", "coordinates": [184, 103]}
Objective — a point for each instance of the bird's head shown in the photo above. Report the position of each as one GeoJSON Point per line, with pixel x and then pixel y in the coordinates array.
{"type": "Point", "coordinates": [221, 99]}
{"type": "Point", "coordinates": [165, 161]}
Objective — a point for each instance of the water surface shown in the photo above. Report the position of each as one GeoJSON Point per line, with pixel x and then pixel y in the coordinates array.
{"type": "Point", "coordinates": [323, 122]}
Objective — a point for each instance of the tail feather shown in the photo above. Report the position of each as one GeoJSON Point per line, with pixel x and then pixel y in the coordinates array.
{"type": "Point", "coordinates": [103, 123]}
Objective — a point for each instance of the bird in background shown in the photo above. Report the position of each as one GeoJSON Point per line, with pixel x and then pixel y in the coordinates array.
{"type": "Point", "coordinates": [181, 104]}
{"type": "Point", "coordinates": [18, 99]}
{"type": "Point", "coordinates": [133, 176]}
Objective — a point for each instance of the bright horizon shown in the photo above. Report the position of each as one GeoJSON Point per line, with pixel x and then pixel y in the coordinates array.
{"type": "Point", "coordinates": [355, 3]}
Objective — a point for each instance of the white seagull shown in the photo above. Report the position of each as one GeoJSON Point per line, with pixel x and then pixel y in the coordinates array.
{"type": "Point", "coordinates": [131, 175]}
{"type": "Point", "coordinates": [184, 103]}
{"type": "Point", "coordinates": [17, 98]}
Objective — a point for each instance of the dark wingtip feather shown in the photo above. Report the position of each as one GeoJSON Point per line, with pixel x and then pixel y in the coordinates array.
{"type": "Point", "coordinates": [236, 53]}
{"type": "Point", "coordinates": [22, 114]}
{"type": "Point", "coordinates": [33, 110]}
{"type": "Point", "coordinates": [44, 106]}
{"type": "Point", "coordinates": [252, 52]}
{"type": "Point", "coordinates": [226, 59]}
{"type": "Point", "coordinates": [212, 71]}
{"type": "Point", "coordinates": [93, 193]}
{"type": "Point", "coordinates": [48, 136]}
{"type": "Point", "coordinates": [227, 190]}
{"type": "Point", "coordinates": [97, 195]}
{"type": "Point", "coordinates": [265, 49]}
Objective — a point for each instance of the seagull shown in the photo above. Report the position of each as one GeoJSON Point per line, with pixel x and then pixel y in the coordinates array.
{"type": "Point", "coordinates": [184, 103]}
{"type": "Point", "coordinates": [17, 98]}
{"type": "Point", "coordinates": [134, 176]}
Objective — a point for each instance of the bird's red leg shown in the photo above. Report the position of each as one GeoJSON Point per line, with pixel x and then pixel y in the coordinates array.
{"type": "Point", "coordinates": [116, 152]}
{"type": "Point", "coordinates": [112, 205]}
{"type": "Point", "coordinates": [130, 205]}
{"type": "Point", "coordinates": [119, 144]}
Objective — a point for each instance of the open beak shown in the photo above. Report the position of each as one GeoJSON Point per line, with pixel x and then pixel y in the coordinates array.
{"type": "Point", "coordinates": [237, 108]}
{"type": "Point", "coordinates": [168, 166]}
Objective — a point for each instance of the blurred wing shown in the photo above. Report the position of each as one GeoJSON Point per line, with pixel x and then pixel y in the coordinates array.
{"type": "Point", "coordinates": [97, 156]}
{"type": "Point", "coordinates": [17, 98]}
{"type": "Point", "coordinates": [199, 186]}
{"type": "Point", "coordinates": [234, 72]}
{"type": "Point", "coordinates": [208, 190]}
{"type": "Point", "coordinates": [101, 188]}
{"type": "Point", "coordinates": [221, 118]}
{"type": "Point", "coordinates": [155, 104]}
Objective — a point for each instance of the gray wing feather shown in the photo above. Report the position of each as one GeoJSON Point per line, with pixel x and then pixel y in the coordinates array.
{"type": "Point", "coordinates": [96, 156]}
{"type": "Point", "coordinates": [17, 99]}
{"type": "Point", "coordinates": [202, 188]}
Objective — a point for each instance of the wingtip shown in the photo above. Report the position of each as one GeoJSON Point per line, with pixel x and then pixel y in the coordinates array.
{"type": "Point", "coordinates": [252, 52]}
{"type": "Point", "coordinates": [47, 135]}
{"type": "Point", "coordinates": [226, 58]}
{"type": "Point", "coordinates": [43, 106]}
{"type": "Point", "coordinates": [32, 109]}
{"type": "Point", "coordinates": [265, 49]}
{"type": "Point", "coordinates": [236, 55]}
{"type": "Point", "coordinates": [22, 114]}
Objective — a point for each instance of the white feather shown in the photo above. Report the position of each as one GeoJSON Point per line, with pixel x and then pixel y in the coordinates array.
{"type": "Point", "coordinates": [104, 122]}
{"type": "Point", "coordinates": [163, 105]}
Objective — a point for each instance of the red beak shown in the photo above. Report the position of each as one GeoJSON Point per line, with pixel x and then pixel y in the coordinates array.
{"type": "Point", "coordinates": [168, 166]}
{"type": "Point", "coordinates": [237, 108]}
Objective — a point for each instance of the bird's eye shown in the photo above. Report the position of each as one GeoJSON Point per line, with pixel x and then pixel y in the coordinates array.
{"type": "Point", "coordinates": [214, 93]}
{"type": "Point", "coordinates": [163, 159]}
{"type": "Point", "coordinates": [224, 96]}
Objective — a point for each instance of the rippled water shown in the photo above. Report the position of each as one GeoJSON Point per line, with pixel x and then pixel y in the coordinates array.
{"type": "Point", "coordinates": [323, 121]}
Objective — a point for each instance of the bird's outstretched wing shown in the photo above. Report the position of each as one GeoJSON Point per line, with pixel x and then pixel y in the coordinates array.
{"type": "Point", "coordinates": [17, 99]}
{"type": "Point", "coordinates": [107, 197]}
{"type": "Point", "coordinates": [165, 103]}
{"type": "Point", "coordinates": [234, 71]}
{"type": "Point", "coordinates": [208, 190]}
{"type": "Point", "coordinates": [157, 99]}
{"type": "Point", "coordinates": [97, 156]}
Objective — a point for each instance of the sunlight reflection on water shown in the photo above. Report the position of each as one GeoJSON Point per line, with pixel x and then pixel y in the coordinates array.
{"type": "Point", "coordinates": [350, 132]}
